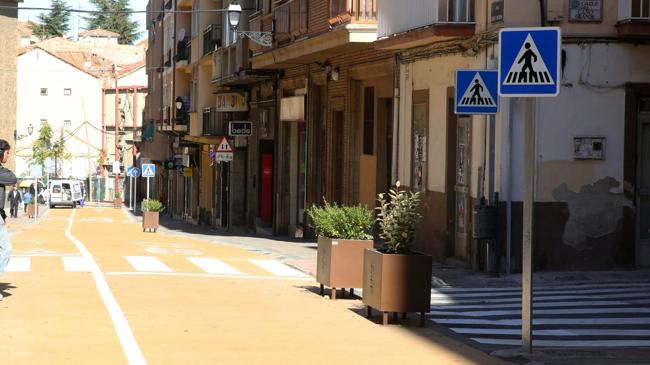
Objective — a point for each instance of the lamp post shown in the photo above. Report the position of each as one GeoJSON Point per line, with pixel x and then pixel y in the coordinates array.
{"type": "Point", "coordinates": [264, 39]}
{"type": "Point", "coordinates": [30, 129]}
{"type": "Point", "coordinates": [56, 160]}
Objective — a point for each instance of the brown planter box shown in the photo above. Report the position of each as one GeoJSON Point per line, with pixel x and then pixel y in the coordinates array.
{"type": "Point", "coordinates": [117, 202]}
{"type": "Point", "coordinates": [31, 210]}
{"type": "Point", "coordinates": [340, 263]}
{"type": "Point", "coordinates": [397, 283]}
{"type": "Point", "coordinates": [150, 220]}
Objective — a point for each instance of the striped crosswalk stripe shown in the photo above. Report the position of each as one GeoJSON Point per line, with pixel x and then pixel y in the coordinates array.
{"type": "Point", "coordinates": [589, 315]}
{"type": "Point", "coordinates": [277, 268]}
{"type": "Point", "coordinates": [213, 266]}
{"type": "Point", "coordinates": [19, 264]}
{"type": "Point", "coordinates": [147, 263]}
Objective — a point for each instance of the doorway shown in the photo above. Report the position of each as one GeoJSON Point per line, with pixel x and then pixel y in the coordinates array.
{"type": "Point", "coordinates": [642, 250]}
{"type": "Point", "coordinates": [461, 188]}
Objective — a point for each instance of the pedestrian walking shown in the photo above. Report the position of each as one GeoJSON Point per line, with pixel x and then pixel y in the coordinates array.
{"type": "Point", "coordinates": [7, 178]}
{"type": "Point", "coordinates": [27, 198]}
{"type": "Point", "coordinates": [14, 201]}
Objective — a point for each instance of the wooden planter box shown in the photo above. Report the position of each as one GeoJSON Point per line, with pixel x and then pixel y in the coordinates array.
{"type": "Point", "coordinates": [396, 283]}
{"type": "Point", "coordinates": [340, 263]}
{"type": "Point", "coordinates": [150, 221]}
{"type": "Point", "coordinates": [31, 210]}
{"type": "Point", "coordinates": [117, 202]}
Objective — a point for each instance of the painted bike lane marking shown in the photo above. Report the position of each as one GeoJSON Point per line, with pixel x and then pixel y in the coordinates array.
{"type": "Point", "coordinates": [123, 330]}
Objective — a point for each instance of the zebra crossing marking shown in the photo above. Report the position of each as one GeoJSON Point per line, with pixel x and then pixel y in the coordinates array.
{"type": "Point", "coordinates": [76, 264]}
{"type": "Point", "coordinates": [593, 315]}
{"type": "Point", "coordinates": [147, 263]}
{"type": "Point", "coordinates": [277, 268]}
{"type": "Point", "coordinates": [19, 264]}
{"type": "Point", "coordinates": [213, 266]}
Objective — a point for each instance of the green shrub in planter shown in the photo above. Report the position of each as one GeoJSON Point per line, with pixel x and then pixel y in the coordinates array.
{"type": "Point", "coordinates": [344, 222]}
{"type": "Point", "coordinates": [398, 216]}
{"type": "Point", "coordinates": [118, 195]}
{"type": "Point", "coordinates": [151, 205]}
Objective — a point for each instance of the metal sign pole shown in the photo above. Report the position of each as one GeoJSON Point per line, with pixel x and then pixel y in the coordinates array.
{"type": "Point", "coordinates": [135, 195]}
{"type": "Point", "coordinates": [131, 193]}
{"type": "Point", "coordinates": [527, 249]}
{"type": "Point", "coordinates": [148, 187]}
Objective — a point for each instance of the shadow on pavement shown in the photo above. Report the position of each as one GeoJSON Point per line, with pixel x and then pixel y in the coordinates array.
{"type": "Point", "coordinates": [4, 287]}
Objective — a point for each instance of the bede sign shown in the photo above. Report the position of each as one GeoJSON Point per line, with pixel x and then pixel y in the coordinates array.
{"type": "Point", "coordinates": [240, 129]}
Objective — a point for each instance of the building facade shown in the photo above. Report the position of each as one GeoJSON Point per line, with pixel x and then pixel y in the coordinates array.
{"type": "Point", "coordinates": [589, 201]}
{"type": "Point", "coordinates": [350, 97]}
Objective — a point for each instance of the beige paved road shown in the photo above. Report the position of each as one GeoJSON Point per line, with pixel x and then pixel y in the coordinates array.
{"type": "Point", "coordinates": [87, 286]}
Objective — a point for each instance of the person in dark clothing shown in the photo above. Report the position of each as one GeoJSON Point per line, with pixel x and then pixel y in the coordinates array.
{"type": "Point", "coordinates": [7, 178]}
{"type": "Point", "coordinates": [14, 200]}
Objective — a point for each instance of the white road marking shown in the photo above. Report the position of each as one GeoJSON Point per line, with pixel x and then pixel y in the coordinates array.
{"type": "Point", "coordinates": [536, 293]}
{"type": "Point", "coordinates": [134, 355]}
{"type": "Point", "coordinates": [173, 251]}
{"type": "Point", "coordinates": [253, 277]}
{"type": "Point", "coordinates": [277, 268]}
{"type": "Point", "coordinates": [45, 254]}
{"type": "Point", "coordinates": [76, 264]}
{"type": "Point", "coordinates": [536, 305]}
{"type": "Point", "coordinates": [147, 263]}
{"type": "Point", "coordinates": [517, 290]}
{"type": "Point", "coordinates": [544, 311]}
{"type": "Point", "coordinates": [567, 343]}
{"type": "Point", "coordinates": [556, 332]}
{"type": "Point", "coordinates": [19, 264]}
{"type": "Point", "coordinates": [213, 266]}
{"type": "Point", "coordinates": [543, 321]}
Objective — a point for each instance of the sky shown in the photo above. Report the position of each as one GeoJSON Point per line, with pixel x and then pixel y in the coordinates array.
{"type": "Point", "coordinates": [77, 23]}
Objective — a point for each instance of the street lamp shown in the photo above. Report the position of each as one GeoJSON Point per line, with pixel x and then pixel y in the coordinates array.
{"type": "Point", "coordinates": [30, 129]}
{"type": "Point", "coordinates": [264, 39]}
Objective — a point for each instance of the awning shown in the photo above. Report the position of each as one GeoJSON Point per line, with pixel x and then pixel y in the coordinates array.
{"type": "Point", "coordinates": [29, 183]}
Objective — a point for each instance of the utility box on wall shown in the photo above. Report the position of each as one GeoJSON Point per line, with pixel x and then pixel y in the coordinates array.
{"type": "Point", "coordinates": [588, 148]}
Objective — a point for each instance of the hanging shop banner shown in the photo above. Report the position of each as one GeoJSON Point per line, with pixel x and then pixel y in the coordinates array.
{"type": "Point", "coordinates": [231, 102]}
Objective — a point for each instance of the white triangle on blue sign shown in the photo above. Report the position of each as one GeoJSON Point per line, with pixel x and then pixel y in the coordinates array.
{"type": "Point", "coordinates": [147, 170]}
{"type": "Point", "coordinates": [528, 68]}
{"type": "Point", "coordinates": [477, 94]}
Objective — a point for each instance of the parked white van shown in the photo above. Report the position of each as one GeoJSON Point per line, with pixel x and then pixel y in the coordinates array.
{"type": "Point", "coordinates": [64, 192]}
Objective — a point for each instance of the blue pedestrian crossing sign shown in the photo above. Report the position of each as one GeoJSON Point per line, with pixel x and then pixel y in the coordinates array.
{"type": "Point", "coordinates": [529, 61]}
{"type": "Point", "coordinates": [148, 170]}
{"type": "Point", "coordinates": [476, 92]}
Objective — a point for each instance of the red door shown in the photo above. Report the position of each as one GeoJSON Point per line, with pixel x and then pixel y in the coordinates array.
{"type": "Point", "coordinates": [266, 188]}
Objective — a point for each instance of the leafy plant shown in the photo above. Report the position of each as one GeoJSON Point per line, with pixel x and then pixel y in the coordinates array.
{"type": "Point", "coordinates": [339, 221]}
{"type": "Point", "coordinates": [151, 205]}
{"type": "Point", "coordinates": [118, 195]}
{"type": "Point", "coordinates": [54, 23]}
{"type": "Point", "coordinates": [114, 15]}
{"type": "Point", "coordinates": [398, 217]}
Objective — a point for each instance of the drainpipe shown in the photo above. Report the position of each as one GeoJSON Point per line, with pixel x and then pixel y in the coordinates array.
{"type": "Point", "coordinates": [396, 96]}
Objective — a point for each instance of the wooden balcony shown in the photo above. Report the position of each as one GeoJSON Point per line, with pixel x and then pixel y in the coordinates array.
{"type": "Point", "coordinates": [291, 21]}
{"type": "Point", "coordinates": [633, 18]}
{"type": "Point", "coordinates": [422, 22]}
{"type": "Point", "coordinates": [353, 11]}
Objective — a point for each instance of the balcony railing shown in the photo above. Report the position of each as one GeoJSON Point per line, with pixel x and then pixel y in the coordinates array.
{"type": "Point", "coordinates": [634, 9]}
{"type": "Point", "coordinates": [228, 61]}
{"type": "Point", "coordinates": [211, 38]}
{"type": "Point", "coordinates": [215, 123]}
{"type": "Point", "coordinates": [291, 20]}
{"type": "Point", "coordinates": [188, 50]}
{"type": "Point", "coordinates": [397, 17]}
{"type": "Point", "coordinates": [356, 11]}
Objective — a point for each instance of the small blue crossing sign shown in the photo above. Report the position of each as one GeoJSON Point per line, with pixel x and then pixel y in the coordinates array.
{"type": "Point", "coordinates": [529, 61]}
{"type": "Point", "coordinates": [476, 92]}
{"type": "Point", "coordinates": [148, 170]}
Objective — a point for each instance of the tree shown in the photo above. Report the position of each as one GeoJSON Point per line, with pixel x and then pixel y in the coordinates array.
{"type": "Point", "coordinates": [114, 15]}
{"type": "Point", "coordinates": [53, 24]}
{"type": "Point", "coordinates": [45, 148]}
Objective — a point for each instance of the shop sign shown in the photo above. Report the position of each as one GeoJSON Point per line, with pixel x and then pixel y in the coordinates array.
{"type": "Point", "coordinates": [231, 102]}
{"type": "Point", "coordinates": [240, 128]}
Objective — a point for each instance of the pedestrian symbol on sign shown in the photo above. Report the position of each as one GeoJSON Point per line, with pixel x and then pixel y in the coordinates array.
{"type": "Point", "coordinates": [477, 93]}
{"type": "Point", "coordinates": [529, 67]}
